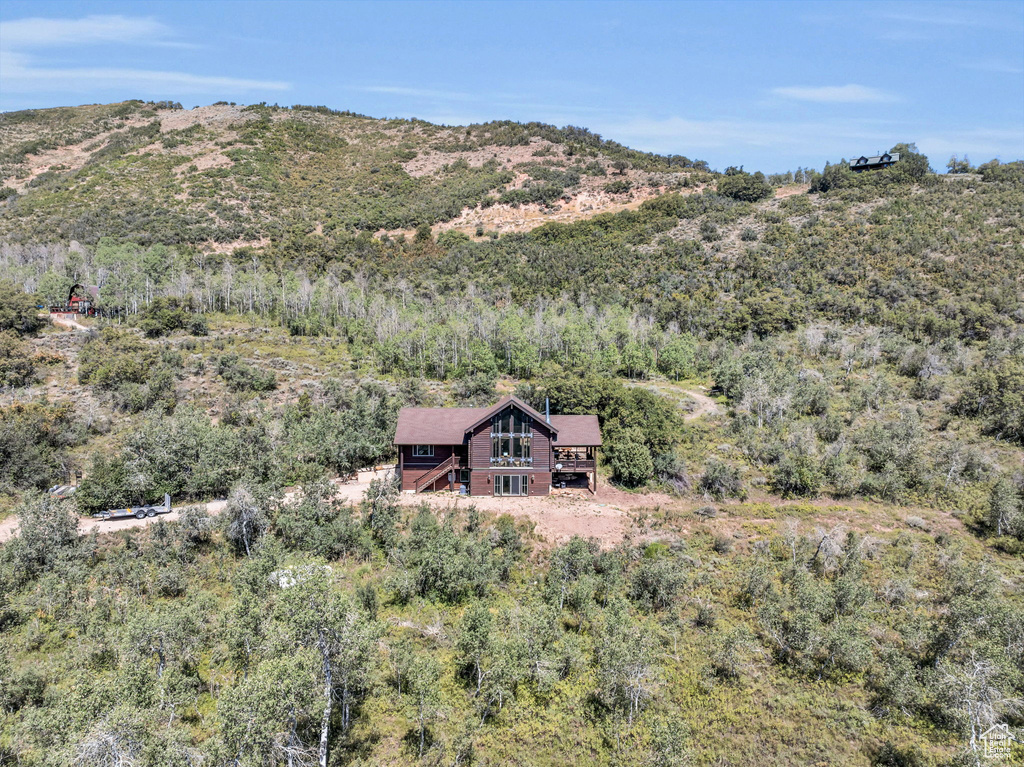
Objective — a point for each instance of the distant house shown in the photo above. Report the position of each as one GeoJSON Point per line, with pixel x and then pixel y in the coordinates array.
{"type": "Point", "coordinates": [863, 163]}
{"type": "Point", "coordinates": [506, 449]}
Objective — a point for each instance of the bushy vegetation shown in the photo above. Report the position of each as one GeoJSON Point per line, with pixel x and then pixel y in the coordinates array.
{"type": "Point", "coordinates": [18, 312]}
{"type": "Point", "coordinates": [433, 638]}
{"type": "Point", "coordinates": [33, 441]}
{"type": "Point", "coordinates": [844, 519]}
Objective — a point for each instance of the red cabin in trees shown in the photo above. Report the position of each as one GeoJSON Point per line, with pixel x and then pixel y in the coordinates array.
{"type": "Point", "coordinates": [81, 300]}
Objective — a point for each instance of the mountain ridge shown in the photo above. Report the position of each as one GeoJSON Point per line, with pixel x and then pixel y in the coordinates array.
{"type": "Point", "coordinates": [222, 174]}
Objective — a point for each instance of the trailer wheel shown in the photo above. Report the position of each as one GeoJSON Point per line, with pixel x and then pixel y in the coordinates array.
{"type": "Point", "coordinates": [151, 513]}
{"type": "Point", "coordinates": [140, 514]}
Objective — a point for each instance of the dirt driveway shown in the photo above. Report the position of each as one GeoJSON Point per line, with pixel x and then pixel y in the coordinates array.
{"type": "Point", "coordinates": [557, 518]}
{"type": "Point", "coordinates": [9, 526]}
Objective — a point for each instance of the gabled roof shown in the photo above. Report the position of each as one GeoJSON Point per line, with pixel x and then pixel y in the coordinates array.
{"type": "Point", "coordinates": [505, 402]}
{"type": "Point", "coordinates": [449, 425]}
{"type": "Point", "coordinates": [877, 159]}
{"type": "Point", "coordinates": [434, 425]}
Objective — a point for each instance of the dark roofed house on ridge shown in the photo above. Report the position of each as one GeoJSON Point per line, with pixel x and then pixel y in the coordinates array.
{"type": "Point", "coordinates": [877, 162]}
{"type": "Point", "coordinates": [506, 449]}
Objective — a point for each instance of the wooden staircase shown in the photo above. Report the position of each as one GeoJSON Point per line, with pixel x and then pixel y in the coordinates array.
{"type": "Point", "coordinates": [434, 474]}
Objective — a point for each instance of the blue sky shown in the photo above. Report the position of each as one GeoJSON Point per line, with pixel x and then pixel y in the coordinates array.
{"type": "Point", "coordinates": [768, 85]}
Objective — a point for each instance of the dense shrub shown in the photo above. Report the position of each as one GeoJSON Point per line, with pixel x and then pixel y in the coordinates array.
{"type": "Point", "coordinates": [17, 366]}
{"type": "Point", "coordinates": [34, 439]}
{"type": "Point", "coordinates": [18, 310]}
{"type": "Point", "coordinates": [114, 357]}
{"type": "Point", "coordinates": [746, 187]}
{"type": "Point", "coordinates": [240, 376]}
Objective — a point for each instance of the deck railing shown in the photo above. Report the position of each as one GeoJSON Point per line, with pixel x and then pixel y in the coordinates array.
{"type": "Point", "coordinates": [573, 464]}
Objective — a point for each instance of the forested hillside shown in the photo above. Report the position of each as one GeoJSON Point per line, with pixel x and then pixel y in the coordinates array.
{"type": "Point", "coordinates": [824, 565]}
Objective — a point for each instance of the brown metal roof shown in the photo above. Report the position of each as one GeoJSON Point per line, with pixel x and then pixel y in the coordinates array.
{"type": "Point", "coordinates": [448, 425]}
{"type": "Point", "coordinates": [576, 430]}
{"type": "Point", "coordinates": [434, 425]}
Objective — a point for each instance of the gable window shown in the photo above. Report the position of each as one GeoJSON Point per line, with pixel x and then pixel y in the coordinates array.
{"type": "Point", "coordinates": [511, 439]}
{"type": "Point", "coordinates": [423, 451]}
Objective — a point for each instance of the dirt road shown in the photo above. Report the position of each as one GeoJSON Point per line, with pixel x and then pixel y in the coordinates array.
{"type": "Point", "coordinates": [9, 526]}
{"type": "Point", "coordinates": [556, 518]}
{"type": "Point", "coordinates": [705, 405]}
{"type": "Point", "coordinates": [65, 322]}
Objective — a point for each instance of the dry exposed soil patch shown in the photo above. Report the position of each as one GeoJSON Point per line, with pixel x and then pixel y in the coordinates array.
{"type": "Point", "coordinates": [556, 518]}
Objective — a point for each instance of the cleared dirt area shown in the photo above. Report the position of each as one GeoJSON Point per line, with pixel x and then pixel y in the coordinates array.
{"type": "Point", "coordinates": [67, 322]}
{"type": "Point", "coordinates": [556, 518]}
{"type": "Point", "coordinates": [705, 405]}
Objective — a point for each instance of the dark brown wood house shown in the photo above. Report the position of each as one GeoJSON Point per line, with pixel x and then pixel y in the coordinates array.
{"type": "Point", "coordinates": [877, 162]}
{"type": "Point", "coordinates": [506, 449]}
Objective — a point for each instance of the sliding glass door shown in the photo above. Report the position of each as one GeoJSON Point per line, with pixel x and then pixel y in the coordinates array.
{"type": "Point", "coordinates": [511, 484]}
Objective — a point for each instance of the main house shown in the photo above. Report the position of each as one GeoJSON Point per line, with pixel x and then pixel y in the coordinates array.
{"type": "Point", "coordinates": [506, 449]}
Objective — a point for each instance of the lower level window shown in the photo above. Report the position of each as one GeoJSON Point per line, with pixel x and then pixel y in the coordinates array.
{"type": "Point", "coordinates": [512, 484]}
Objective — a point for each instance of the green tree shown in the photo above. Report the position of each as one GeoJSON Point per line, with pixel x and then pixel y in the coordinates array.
{"type": "Point", "coordinates": [631, 462]}
{"type": "Point", "coordinates": [16, 365]}
{"type": "Point", "coordinates": [47, 534]}
{"type": "Point", "coordinates": [18, 310]}
{"type": "Point", "coordinates": [1006, 508]}
{"type": "Point", "coordinates": [678, 356]}
{"type": "Point", "coordinates": [321, 619]}
{"type": "Point", "coordinates": [637, 360]}
{"type": "Point", "coordinates": [626, 662]}
{"type": "Point", "coordinates": [956, 165]}
{"type": "Point", "coordinates": [272, 711]}
{"type": "Point", "coordinates": [797, 475]}
{"type": "Point", "coordinates": [424, 676]}
{"type": "Point", "coordinates": [913, 166]}
{"type": "Point", "coordinates": [475, 641]}
{"type": "Point", "coordinates": [381, 511]}
{"type": "Point", "coordinates": [745, 186]}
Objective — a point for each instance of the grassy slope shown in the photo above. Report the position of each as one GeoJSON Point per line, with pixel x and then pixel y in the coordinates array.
{"type": "Point", "coordinates": [237, 175]}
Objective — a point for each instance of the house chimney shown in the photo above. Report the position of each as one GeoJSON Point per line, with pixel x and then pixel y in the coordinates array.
{"type": "Point", "coordinates": [547, 410]}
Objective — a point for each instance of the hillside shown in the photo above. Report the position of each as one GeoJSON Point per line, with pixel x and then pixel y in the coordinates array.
{"type": "Point", "coordinates": [230, 175]}
{"type": "Point", "coordinates": [808, 546]}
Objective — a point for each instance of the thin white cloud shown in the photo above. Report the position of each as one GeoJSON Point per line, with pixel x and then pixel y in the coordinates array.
{"type": "Point", "coordinates": [41, 33]}
{"type": "Point", "coordinates": [678, 134]}
{"type": "Point", "coordinates": [945, 17]}
{"type": "Point", "coordinates": [815, 141]}
{"type": "Point", "coordinates": [19, 75]}
{"type": "Point", "coordinates": [835, 94]}
{"type": "Point", "coordinates": [980, 143]}
{"type": "Point", "coordinates": [419, 93]}
{"type": "Point", "coordinates": [995, 66]}
{"type": "Point", "coordinates": [24, 72]}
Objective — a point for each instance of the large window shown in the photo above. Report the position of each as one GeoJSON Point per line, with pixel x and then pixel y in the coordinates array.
{"type": "Point", "coordinates": [423, 451]}
{"type": "Point", "coordinates": [511, 421]}
{"type": "Point", "coordinates": [510, 439]}
{"type": "Point", "coordinates": [512, 484]}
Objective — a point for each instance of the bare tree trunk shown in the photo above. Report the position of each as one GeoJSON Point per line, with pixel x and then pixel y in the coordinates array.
{"type": "Point", "coordinates": [291, 740]}
{"type": "Point", "coordinates": [325, 722]}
